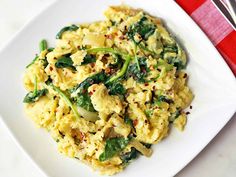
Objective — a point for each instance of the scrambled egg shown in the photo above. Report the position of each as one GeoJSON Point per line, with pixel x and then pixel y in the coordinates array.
{"type": "Point", "coordinates": [109, 89]}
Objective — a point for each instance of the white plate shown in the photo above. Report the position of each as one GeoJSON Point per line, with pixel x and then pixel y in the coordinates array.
{"type": "Point", "coordinates": [211, 80]}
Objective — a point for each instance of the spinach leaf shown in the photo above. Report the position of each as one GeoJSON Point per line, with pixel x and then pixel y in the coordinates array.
{"type": "Point", "coordinates": [113, 146]}
{"type": "Point", "coordinates": [170, 48]}
{"type": "Point", "coordinates": [83, 100]}
{"type": "Point", "coordinates": [94, 79]}
{"type": "Point", "coordinates": [127, 157]}
{"type": "Point", "coordinates": [50, 49]}
{"type": "Point", "coordinates": [65, 62]}
{"type": "Point", "coordinates": [122, 72]}
{"type": "Point", "coordinates": [65, 98]}
{"type": "Point", "coordinates": [34, 95]}
{"type": "Point", "coordinates": [176, 62]}
{"type": "Point", "coordinates": [143, 27]}
{"type": "Point", "coordinates": [49, 81]}
{"type": "Point", "coordinates": [125, 56]}
{"type": "Point", "coordinates": [88, 59]}
{"type": "Point", "coordinates": [137, 74]}
{"type": "Point", "coordinates": [174, 115]}
{"type": "Point", "coordinates": [116, 88]}
{"type": "Point", "coordinates": [67, 28]}
{"type": "Point", "coordinates": [80, 94]}
{"type": "Point", "coordinates": [128, 121]}
{"type": "Point", "coordinates": [161, 99]}
{"type": "Point", "coordinates": [147, 145]}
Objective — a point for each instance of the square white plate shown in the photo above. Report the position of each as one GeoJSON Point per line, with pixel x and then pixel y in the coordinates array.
{"type": "Point", "coordinates": [211, 80]}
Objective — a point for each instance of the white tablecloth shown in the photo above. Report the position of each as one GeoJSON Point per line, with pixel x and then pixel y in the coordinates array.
{"type": "Point", "coordinates": [218, 159]}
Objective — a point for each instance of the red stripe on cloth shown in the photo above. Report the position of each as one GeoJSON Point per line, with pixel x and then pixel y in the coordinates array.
{"type": "Point", "coordinates": [227, 47]}
{"type": "Point", "coordinates": [190, 6]}
{"type": "Point", "coordinates": [212, 22]}
{"type": "Point", "coordinates": [215, 26]}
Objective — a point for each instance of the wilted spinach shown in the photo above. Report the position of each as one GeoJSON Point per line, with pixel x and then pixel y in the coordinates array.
{"type": "Point", "coordinates": [170, 48]}
{"type": "Point", "coordinates": [137, 74]}
{"type": "Point", "coordinates": [94, 79]}
{"type": "Point", "coordinates": [127, 157]}
{"type": "Point", "coordinates": [64, 97]}
{"type": "Point", "coordinates": [118, 62]}
{"type": "Point", "coordinates": [176, 62]}
{"type": "Point", "coordinates": [83, 100]}
{"type": "Point", "coordinates": [124, 56]}
{"type": "Point", "coordinates": [161, 99]}
{"type": "Point", "coordinates": [80, 92]}
{"type": "Point", "coordinates": [128, 121]}
{"type": "Point", "coordinates": [88, 59]}
{"type": "Point", "coordinates": [116, 88]}
{"type": "Point", "coordinates": [143, 27]}
{"type": "Point", "coordinates": [34, 95]}
{"type": "Point", "coordinates": [113, 146]}
{"type": "Point", "coordinates": [65, 62]}
{"type": "Point", "coordinates": [67, 28]}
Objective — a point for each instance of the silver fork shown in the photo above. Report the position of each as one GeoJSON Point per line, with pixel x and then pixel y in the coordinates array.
{"type": "Point", "coordinates": [228, 9]}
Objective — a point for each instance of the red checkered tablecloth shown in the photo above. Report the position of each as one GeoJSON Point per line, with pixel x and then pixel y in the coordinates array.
{"type": "Point", "coordinates": [219, 31]}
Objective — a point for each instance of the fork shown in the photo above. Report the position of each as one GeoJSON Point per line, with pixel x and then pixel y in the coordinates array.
{"type": "Point", "coordinates": [228, 9]}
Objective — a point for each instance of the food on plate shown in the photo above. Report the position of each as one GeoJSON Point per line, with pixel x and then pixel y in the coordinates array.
{"type": "Point", "coordinates": [109, 89]}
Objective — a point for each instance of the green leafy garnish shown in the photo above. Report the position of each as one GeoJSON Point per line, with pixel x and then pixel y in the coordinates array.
{"type": "Point", "coordinates": [66, 99]}
{"type": "Point", "coordinates": [83, 100]}
{"type": "Point", "coordinates": [67, 28]}
{"type": "Point", "coordinates": [80, 92]}
{"type": "Point", "coordinates": [176, 62]}
{"type": "Point", "coordinates": [88, 59]}
{"type": "Point", "coordinates": [143, 28]}
{"type": "Point", "coordinates": [65, 62]}
{"type": "Point", "coordinates": [113, 146]}
{"type": "Point", "coordinates": [94, 79]}
{"type": "Point", "coordinates": [118, 62]}
{"type": "Point", "coordinates": [116, 88]}
{"type": "Point", "coordinates": [107, 50]}
{"type": "Point", "coordinates": [122, 72]}
{"type": "Point", "coordinates": [50, 49]}
{"type": "Point", "coordinates": [161, 99]}
{"type": "Point", "coordinates": [124, 56]}
{"type": "Point", "coordinates": [170, 48]}
{"type": "Point", "coordinates": [34, 95]}
{"type": "Point", "coordinates": [129, 156]}
{"type": "Point", "coordinates": [128, 121]}
{"type": "Point", "coordinates": [147, 145]}
{"type": "Point", "coordinates": [137, 74]}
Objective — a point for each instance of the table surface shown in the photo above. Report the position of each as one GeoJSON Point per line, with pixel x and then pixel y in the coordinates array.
{"type": "Point", "coordinates": [218, 159]}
